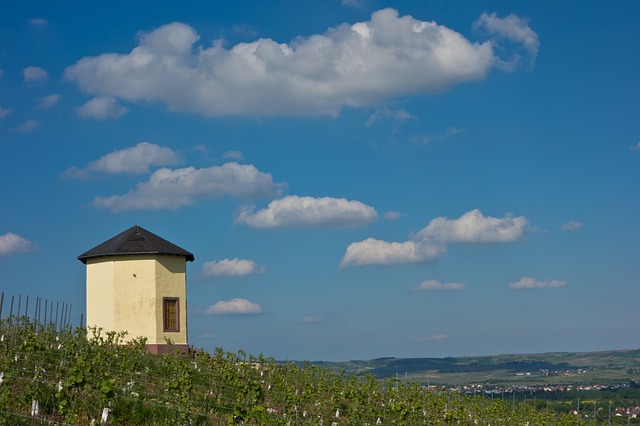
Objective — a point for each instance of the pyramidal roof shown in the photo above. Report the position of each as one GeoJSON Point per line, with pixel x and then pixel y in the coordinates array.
{"type": "Point", "coordinates": [135, 240]}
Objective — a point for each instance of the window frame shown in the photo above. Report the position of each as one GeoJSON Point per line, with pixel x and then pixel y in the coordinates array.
{"type": "Point", "coordinates": [165, 313]}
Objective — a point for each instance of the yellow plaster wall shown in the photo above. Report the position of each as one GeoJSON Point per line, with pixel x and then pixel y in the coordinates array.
{"type": "Point", "coordinates": [124, 293]}
{"type": "Point", "coordinates": [99, 294]}
{"type": "Point", "coordinates": [171, 282]}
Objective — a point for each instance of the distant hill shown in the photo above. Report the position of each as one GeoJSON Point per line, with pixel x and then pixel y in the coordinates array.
{"type": "Point", "coordinates": [546, 368]}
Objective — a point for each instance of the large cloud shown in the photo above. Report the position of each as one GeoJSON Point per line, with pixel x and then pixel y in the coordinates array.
{"type": "Point", "coordinates": [473, 227]}
{"type": "Point", "coordinates": [294, 211]}
{"type": "Point", "coordinates": [350, 65]}
{"type": "Point", "coordinates": [428, 244]}
{"type": "Point", "coordinates": [136, 159]}
{"type": "Point", "coordinates": [234, 307]}
{"type": "Point", "coordinates": [173, 188]}
{"type": "Point", "coordinates": [231, 267]}
{"type": "Point", "coordinates": [378, 252]}
{"type": "Point", "coordinates": [11, 243]}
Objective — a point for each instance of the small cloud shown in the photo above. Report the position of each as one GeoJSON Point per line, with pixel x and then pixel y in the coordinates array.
{"type": "Point", "coordinates": [28, 126]}
{"type": "Point", "coordinates": [304, 212]}
{"type": "Point", "coordinates": [207, 335]}
{"type": "Point", "coordinates": [233, 155]}
{"type": "Point", "coordinates": [4, 112]}
{"type": "Point", "coordinates": [245, 30]}
{"type": "Point", "coordinates": [427, 139]}
{"type": "Point", "coordinates": [391, 216]}
{"type": "Point", "coordinates": [635, 147]}
{"type": "Point", "coordinates": [435, 338]}
{"type": "Point", "coordinates": [311, 318]}
{"type": "Point", "coordinates": [48, 101]}
{"type": "Point", "coordinates": [34, 74]}
{"type": "Point", "coordinates": [231, 267]}
{"type": "Point", "coordinates": [514, 29]}
{"type": "Point", "coordinates": [38, 22]}
{"type": "Point", "coordinates": [527, 282]}
{"type": "Point", "coordinates": [101, 108]}
{"type": "Point", "coordinates": [353, 3]}
{"type": "Point", "coordinates": [136, 160]}
{"type": "Point", "coordinates": [234, 307]}
{"type": "Point", "coordinates": [434, 285]}
{"type": "Point", "coordinates": [11, 243]}
{"type": "Point", "coordinates": [572, 226]}
{"type": "Point", "coordinates": [397, 115]}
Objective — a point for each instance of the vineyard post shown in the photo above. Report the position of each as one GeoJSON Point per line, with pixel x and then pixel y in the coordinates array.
{"type": "Point", "coordinates": [57, 308]}
{"type": "Point", "coordinates": [10, 312]}
{"type": "Point", "coordinates": [62, 315]}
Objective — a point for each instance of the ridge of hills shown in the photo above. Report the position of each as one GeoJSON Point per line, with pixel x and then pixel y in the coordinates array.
{"type": "Point", "coordinates": [603, 367]}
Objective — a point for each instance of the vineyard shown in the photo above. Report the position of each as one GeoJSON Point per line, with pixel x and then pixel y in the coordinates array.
{"type": "Point", "coordinates": [53, 375]}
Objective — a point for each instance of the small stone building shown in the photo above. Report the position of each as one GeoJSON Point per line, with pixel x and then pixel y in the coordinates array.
{"type": "Point", "coordinates": [136, 282]}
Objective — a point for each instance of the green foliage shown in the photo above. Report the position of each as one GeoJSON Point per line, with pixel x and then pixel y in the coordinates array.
{"type": "Point", "coordinates": [75, 375]}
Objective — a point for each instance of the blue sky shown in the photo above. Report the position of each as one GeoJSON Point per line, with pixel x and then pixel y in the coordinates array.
{"type": "Point", "coordinates": [356, 179]}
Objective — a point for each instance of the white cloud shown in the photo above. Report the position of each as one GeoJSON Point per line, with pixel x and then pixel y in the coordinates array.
{"type": "Point", "coordinates": [4, 112]}
{"type": "Point", "coordinates": [473, 227]}
{"type": "Point", "coordinates": [435, 337]}
{"type": "Point", "coordinates": [635, 147]}
{"type": "Point", "coordinates": [28, 126]}
{"type": "Point", "coordinates": [233, 155]}
{"type": "Point", "coordinates": [526, 283]}
{"type": "Point", "coordinates": [571, 226]}
{"type": "Point", "coordinates": [48, 101]}
{"type": "Point", "coordinates": [398, 115]}
{"type": "Point", "coordinates": [1, 72]}
{"type": "Point", "coordinates": [391, 215]}
{"type": "Point", "coordinates": [101, 108]}
{"type": "Point", "coordinates": [38, 22]}
{"type": "Point", "coordinates": [311, 318]}
{"type": "Point", "coordinates": [231, 267]}
{"type": "Point", "coordinates": [11, 243]}
{"type": "Point", "coordinates": [430, 242]}
{"type": "Point", "coordinates": [347, 66]}
{"type": "Point", "coordinates": [427, 139]}
{"type": "Point", "coordinates": [136, 159]}
{"type": "Point", "coordinates": [353, 3]}
{"type": "Point", "coordinates": [174, 188]}
{"type": "Point", "coordinates": [378, 252]}
{"type": "Point", "coordinates": [234, 307]}
{"type": "Point", "coordinates": [514, 29]}
{"type": "Point", "coordinates": [34, 74]}
{"type": "Point", "coordinates": [294, 211]}
{"type": "Point", "coordinates": [434, 285]}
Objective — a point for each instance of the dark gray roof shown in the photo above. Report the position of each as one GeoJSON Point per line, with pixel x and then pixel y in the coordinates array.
{"type": "Point", "coordinates": [135, 240]}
